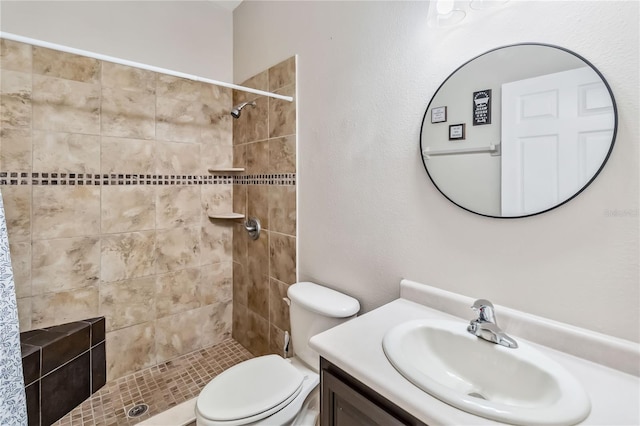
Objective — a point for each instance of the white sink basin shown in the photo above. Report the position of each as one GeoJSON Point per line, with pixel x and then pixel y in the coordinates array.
{"type": "Point", "coordinates": [519, 386]}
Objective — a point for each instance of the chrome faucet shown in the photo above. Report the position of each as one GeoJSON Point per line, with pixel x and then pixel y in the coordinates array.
{"type": "Point", "coordinates": [486, 326]}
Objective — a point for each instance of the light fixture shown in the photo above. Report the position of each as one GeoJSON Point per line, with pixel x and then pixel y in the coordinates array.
{"type": "Point", "coordinates": [445, 13]}
{"type": "Point", "coordinates": [486, 4]}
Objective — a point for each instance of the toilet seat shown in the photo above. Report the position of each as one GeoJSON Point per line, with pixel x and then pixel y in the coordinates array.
{"type": "Point", "coordinates": [250, 391]}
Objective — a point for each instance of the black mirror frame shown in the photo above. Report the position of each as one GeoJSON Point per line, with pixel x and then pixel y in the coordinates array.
{"type": "Point", "coordinates": [595, 175]}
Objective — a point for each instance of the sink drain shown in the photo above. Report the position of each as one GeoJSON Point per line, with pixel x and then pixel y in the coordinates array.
{"type": "Point", "coordinates": [476, 395]}
{"type": "Point", "coordinates": [137, 410]}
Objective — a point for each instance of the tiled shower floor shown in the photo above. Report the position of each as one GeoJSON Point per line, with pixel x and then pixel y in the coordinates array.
{"type": "Point", "coordinates": [160, 387]}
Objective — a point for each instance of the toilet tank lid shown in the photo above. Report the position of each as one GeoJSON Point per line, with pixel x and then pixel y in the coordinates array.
{"type": "Point", "coordinates": [323, 300]}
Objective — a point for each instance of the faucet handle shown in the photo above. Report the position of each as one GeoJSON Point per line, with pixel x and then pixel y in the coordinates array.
{"type": "Point", "coordinates": [485, 310]}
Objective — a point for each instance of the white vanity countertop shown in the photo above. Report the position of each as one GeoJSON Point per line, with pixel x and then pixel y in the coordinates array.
{"type": "Point", "coordinates": [356, 348]}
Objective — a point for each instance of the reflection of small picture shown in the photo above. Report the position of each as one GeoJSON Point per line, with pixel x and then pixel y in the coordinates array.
{"type": "Point", "coordinates": [439, 114]}
{"type": "Point", "coordinates": [456, 132]}
{"type": "Point", "coordinates": [482, 107]}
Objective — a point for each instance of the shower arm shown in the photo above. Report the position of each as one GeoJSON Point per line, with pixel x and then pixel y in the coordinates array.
{"type": "Point", "coordinates": [112, 59]}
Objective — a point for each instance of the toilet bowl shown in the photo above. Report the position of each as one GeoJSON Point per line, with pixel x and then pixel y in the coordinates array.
{"type": "Point", "coordinates": [271, 390]}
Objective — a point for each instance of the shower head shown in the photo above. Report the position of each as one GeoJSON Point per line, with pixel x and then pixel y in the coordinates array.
{"type": "Point", "coordinates": [235, 112]}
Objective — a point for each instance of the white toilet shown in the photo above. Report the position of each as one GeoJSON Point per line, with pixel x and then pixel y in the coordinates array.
{"type": "Point", "coordinates": [271, 390]}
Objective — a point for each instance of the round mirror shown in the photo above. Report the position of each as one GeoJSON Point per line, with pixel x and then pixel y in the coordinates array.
{"type": "Point", "coordinates": [518, 130]}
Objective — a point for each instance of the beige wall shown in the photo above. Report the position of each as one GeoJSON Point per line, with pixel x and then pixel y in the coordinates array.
{"type": "Point", "coordinates": [368, 214]}
{"type": "Point", "coordinates": [264, 140]}
{"type": "Point", "coordinates": [106, 189]}
{"type": "Point", "coordinates": [194, 37]}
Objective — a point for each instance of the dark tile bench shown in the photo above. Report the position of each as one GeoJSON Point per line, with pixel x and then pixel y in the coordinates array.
{"type": "Point", "coordinates": [62, 366]}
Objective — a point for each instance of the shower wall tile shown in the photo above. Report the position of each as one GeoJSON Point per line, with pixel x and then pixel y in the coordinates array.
{"type": "Point", "coordinates": [218, 98]}
{"type": "Point", "coordinates": [216, 122]}
{"type": "Point", "coordinates": [282, 209]}
{"type": "Point", "coordinates": [282, 154]}
{"type": "Point", "coordinates": [24, 313]}
{"type": "Point", "coordinates": [68, 151]}
{"type": "Point", "coordinates": [179, 120]}
{"type": "Point", "coordinates": [240, 329]}
{"type": "Point", "coordinates": [15, 99]}
{"type": "Point", "coordinates": [240, 155]}
{"type": "Point", "coordinates": [177, 248]}
{"type": "Point", "coordinates": [131, 155]}
{"type": "Point", "coordinates": [127, 303]}
{"type": "Point", "coordinates": [177, 158]}
{"type": "Point", "coordinates": [15, 152]}
{"type": "Point", "coordinates": [128, 78]}
{"type": "Point", "coordinates": [282, 114]}
{"type": "Point", "coordinates": [21, 265]}
{"type": "Point", "coordinates": [283, 257]}
{"type": "Point", "coordinates": [139, 341]}
{"type": "Point", "coordinates": [278, 308]}
{"type": "Point", "coordinates": [240, 285]}
{"type": "Point", "coordinates": [214, 155]}
{"type": "Point", "coordinates": [258, 203]}
{"type": "Point", "coordinates": [218, 127]}
{"type": "Point", "coordinates": [65, 264]}
{"type": "Point", "coordinates": [257, 157]}
{"type": "Point", "coordinates": [180, 88]}
{"type": "Point", "coordinates": [176, 334]}
{"type": "Point", "coordinates": [216, 199]}
{"type": "Point", "coordinates": [15, 56]}
{"type": "Point", "coordinates": [53, 63]}
{"type": "Point", "coordinates": [258, 294]}
{"type": "Point", "coordinates": [17, 208]}
{"type": "Point", "coordinates": [216, 242]}
{"type": "Point", "coordinates": [127, 113]}
{"type": "Point", "coordinates": [216, 283]}
{"type": "Point", "coordinates": [263, 269]}
{"type": "Point", "coordinates": [282, 74]}
{"type": "Point", "coordinates": [128, 208]}
{"type": "Point", "coordinates": [65, 105]}
{"type": "Point", "coordinates": [253, 124]}
{"type": "Point", "coordinates": [177, 292]}
{"type": "Point", "coordinates": [258, 256]}
{"type": "Point", "coordinates": [65, 211]}
{"type": "Point", "coordinates": [258, 334]}
{"type": "Point", "coordinates": [66, 306]}
{"type": "Point", "coordinates": [177, 206]}
{"type": "Point", "coordinates": [276, 341]}
{"type": "Point", "coordinates": [216, 322]}
{"type": "Point", "coordinates": [240, 199]}
{"type": "Point", "coordinates": [240, 244]}
{"type": "Point", "coordinates": [128, 255]}
{"type": "Point", "coordinates": [258, 277]}
{"type": "Point", "coordinates": [259, 81]}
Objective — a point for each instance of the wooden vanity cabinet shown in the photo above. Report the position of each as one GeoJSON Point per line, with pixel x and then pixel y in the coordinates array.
{"type": "Point", "coordinates": [344, 401]}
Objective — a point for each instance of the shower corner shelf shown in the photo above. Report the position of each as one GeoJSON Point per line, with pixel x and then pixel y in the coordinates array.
{"type": "Point", "coordinates": [226, 216]}
{"type": "Point", "coordinates": [226, 169]}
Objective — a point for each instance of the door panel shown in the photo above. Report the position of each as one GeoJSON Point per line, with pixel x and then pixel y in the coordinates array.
{"type": "Point", "coordinates": [570, 116]}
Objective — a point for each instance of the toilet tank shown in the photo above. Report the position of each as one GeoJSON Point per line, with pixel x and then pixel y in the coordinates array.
{"type": "Point", "coordinates": [314, 309]}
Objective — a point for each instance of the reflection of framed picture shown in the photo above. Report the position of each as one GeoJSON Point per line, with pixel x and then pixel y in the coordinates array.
{"type": "Point", "coordinates": [439, 114]}
{"type": "Point", "coordinates": [456, 132]}
{"type": "Point", "coordinates": [482, 107]}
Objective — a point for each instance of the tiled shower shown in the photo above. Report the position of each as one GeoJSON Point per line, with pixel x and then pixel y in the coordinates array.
{"type": "Point", "coordinates": [104, 171]}
{"type": "Point", "coordinates": [264, 143]}
{"type": "Point", "coordinates": [108, 214]}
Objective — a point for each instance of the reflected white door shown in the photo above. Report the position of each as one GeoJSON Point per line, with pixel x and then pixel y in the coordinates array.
{"type": "Point", "coordinates": [556, 131]}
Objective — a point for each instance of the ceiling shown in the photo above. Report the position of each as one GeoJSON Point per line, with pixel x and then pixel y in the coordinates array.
{"type": "Point", "coordinates": [227, 4]}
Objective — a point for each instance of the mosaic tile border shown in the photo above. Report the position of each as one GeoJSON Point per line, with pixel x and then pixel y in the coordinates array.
{"type": "Point", "coordinates": [110, 179]}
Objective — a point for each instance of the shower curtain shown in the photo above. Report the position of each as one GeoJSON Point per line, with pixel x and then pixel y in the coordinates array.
{"type": "Point", "coordinates": [13, 407]}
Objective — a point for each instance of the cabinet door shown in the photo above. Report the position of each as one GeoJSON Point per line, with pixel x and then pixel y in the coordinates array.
{"type": "Point", "coordinates": [344, 406]}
